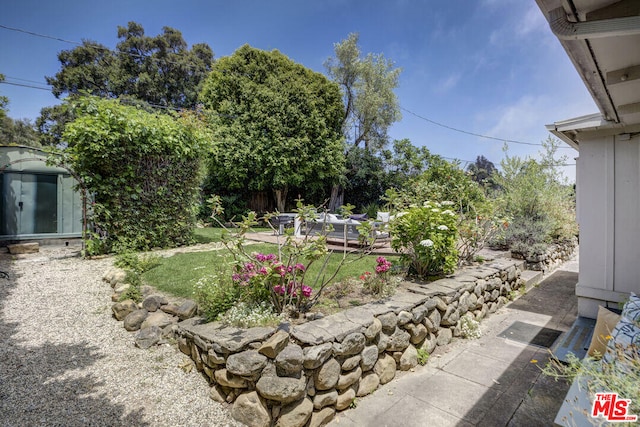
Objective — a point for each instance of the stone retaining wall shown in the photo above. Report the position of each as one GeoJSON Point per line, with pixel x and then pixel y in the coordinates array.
{"type": "Point", "coordinates": [301, 375]}
{"type": "Point", "coordinates": [556, 254]}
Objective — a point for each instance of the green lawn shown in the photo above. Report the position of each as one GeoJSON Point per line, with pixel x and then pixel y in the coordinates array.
{"type": "Point", "coordinates": [178, 274]}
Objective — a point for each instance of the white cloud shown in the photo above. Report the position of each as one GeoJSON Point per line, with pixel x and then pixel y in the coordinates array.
{"type": "Point", "coordinates": [448, 83]}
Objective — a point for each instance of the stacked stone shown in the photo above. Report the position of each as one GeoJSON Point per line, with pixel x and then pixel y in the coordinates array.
{"type": "Point", "coordinates": [153, 319]}
{"type": "Point", "coordinates": [555, 255]}
{"type": "Point", "coordinates": [303, 375]}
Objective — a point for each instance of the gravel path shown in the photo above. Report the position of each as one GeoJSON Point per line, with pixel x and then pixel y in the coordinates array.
{"type": "Point", "coordinates": [64, 361]}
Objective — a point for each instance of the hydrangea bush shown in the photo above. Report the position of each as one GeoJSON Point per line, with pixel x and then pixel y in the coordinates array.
{"type": "Point", "coordinates": [425, 236]}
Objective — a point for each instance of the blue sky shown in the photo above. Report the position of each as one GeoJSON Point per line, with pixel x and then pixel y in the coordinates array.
{"type": "Point", "coordinates": [489, 67]}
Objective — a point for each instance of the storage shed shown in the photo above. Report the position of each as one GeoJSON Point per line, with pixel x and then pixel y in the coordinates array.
{"type": "Point", "coordinates": [38, 201]}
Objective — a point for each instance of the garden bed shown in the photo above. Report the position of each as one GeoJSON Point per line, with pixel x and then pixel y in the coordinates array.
{"type": "Point", "coordinates": [299, 375]}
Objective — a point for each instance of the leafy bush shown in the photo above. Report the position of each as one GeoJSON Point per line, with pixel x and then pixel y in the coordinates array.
{"type": "Point", "coordinates": [477, 217]}
{"type": "Point", "coordinates": [425, 236]}
{"type": "Point", "coordinates": [143, 169]}
{"type": "Point", "coordinates": [133, 262]}
{"type": "Point", "coordinates": [215, 295]}
{"type": "Point", "coordinates": [537, 198]}
{"type": "Point", "coordinates": [133, 292]}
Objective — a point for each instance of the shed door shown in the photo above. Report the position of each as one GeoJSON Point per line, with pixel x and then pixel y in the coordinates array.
{"type": "Point", "coordinates": [30, 204]}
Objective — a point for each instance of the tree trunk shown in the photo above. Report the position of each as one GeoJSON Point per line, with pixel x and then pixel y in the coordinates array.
{"type": "Point", "coordinates": [281, 198]}
{"type": "Point", "coordinates": [337, 198]}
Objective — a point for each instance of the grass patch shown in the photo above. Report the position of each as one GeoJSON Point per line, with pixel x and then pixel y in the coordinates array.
{"type": "Point", "coordinates": [179, 273]}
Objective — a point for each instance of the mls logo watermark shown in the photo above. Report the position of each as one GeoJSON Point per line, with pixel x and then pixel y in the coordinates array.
{"type": "Point", "coordinates": [612, 408]}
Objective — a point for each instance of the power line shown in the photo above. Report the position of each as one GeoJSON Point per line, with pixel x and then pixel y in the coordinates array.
{"type": "Point", "coordinates": [472, 133]}
{"type": "Point", "coordinates": [39, 35]}
{"type": "Point", "coordinates": [26, 85]}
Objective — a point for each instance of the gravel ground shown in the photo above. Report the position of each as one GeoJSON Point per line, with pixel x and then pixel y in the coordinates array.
{"type": "Point", "coordinates": [65, 361]}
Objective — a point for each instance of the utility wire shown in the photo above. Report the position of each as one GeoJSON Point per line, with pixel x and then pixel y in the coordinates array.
{"type": "Point", "coordinates": [26, 85]}
{"type": "Point", "coordinates": [511, 141]}
{"type": "Point", "coordinates": [472, 133]}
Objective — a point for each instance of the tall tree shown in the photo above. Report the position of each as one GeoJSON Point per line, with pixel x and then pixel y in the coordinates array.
{"type": "Point", "coordinates": [371, 105]}
{"type": "Point", "coordinates": [18, 132]}
{"type": "Point", "coordinates": [4, 101]}
{"type": "Point", "coordinates": [159, 70]}
{"type": "Point", "coordinates": [278, 124]}
{"type": "Point", "coordinates": [482, 171]}
{"type": "Point", "coordinates": [367, 84]}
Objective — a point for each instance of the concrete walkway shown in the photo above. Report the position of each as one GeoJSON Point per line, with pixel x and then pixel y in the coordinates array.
{"type": "Point", "coordinates": [491, 381]}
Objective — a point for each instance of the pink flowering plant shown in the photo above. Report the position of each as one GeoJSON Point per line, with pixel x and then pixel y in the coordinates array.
{"type": "Point", "coordinates": [379, 282]}
{"type": "Point", "coordinates": [281, 279]}
{"type": "Point", "coordinates": [265, 277]}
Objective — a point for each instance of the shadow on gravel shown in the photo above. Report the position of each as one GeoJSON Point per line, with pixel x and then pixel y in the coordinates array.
{"type": "Point", "coordinates": [42, 386]}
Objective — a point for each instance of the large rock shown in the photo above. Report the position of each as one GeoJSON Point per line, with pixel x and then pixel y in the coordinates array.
{"type": "Point", "coordinates": [216, 393]}
{"type": "Point", "coordinates": [385, 368]}
{"type": "Point", "coordinates": [146, 338]}
{"type": "Point", "coordinates": [399, 340]}
{"type": "Point", "coordinates": [282, 389]}
{"type": "Point", "coordinates": [316, 355]}
{"type": "Point", "coordinates": [404, 317]}
{"type": "Point", "coordinates": [389, 322]}
{"type": "Point", "coordinates": [368, 384]}
{"type": "Point", "coordinates": [114, 275]}
{"type": "Point", "coordinates": [409, 359]}
{"type": "Point", "coordinates": [429, 344]}
{"type": "Point", "coordinates": [444, 336]}
{"type": "Point", "coordinates": [373, 330]}
{"type": "Point", "coordinates": [251, 409]}
{"type": "Point", "coordinates": [123, 308]}
{"type": "Point", "coordinates": [134, 320]}
{"type": "Point", "coordinates": [345, 399]}
{"type": "Point", "coordinates": [187, 310]}
{"type": "Point", "coordinates": [227, 379]}
{"type": "Point", "coordinates": [289, 361]}
{"type": "Point", "coordinates": [326, 377]}
{"type": "Point", "coordinates": [351, 344]}
{"type": "Point", "coordinates": [248, 363]}
{"type": "Point", "coordinates": [322, 417]}
{"type": "Point", "coordinates": [24, 248]}
{"type": "Point", "coordinates": [418, 332]}
{"type": "Point", "coordinates": [295, 414]}
{"type": "Point", "coordinates": [159, 319]}
{"type": "Point", "coordinates": [153, 302]}
{"type": "Point", "coordinates": [351, 362]}
{"type": "Point", "coordinates": [369, 358]}
{"type": "Point", "coordinates": [274, 344]}
{"type": "Point", "coordinates": [349, 378]}
{"type": "Point", "coordinates": [435, 318]}
{"type": "Point", "coordinates": [325, 398]}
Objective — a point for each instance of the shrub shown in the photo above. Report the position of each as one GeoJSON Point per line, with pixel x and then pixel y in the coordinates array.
{"type": "Point", "coordinates": [133, 292]}
{"type": "Point", "coordinates": [143, 170]}
{"type": "Point", "coordinates": [247, 315]}
{"type": "Point", "coordinates": [380, 283]}
{"type": "Point", "coordinates": [622, 376]}
{"type": "Point", "coordinates": [133, 262]}
{"type": "Point", "coordinates": [537, 198]}
{"type": "Point", "coordinates": [215, 295]}
{"type": "Point", "coordinates": [425, 236]}
{"type": "Point", "coordinates": [470, 328]}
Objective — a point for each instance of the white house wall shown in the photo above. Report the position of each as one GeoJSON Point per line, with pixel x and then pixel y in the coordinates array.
{"type": "Point", "coordinates": [608, 212]}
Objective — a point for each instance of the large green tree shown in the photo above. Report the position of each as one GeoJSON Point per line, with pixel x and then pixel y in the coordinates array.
{"type": "Point", "coordinates": [370, 103]}
{"type": "Point", "coordinates": [159, 70]}
{"type": "Point", "coordinates": [277, 124]}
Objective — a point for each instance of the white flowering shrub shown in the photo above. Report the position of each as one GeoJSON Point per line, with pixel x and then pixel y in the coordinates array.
{"type": "Point", "coordinates": [246, 315]}
{"type": "Point", "coordinates": [425, 236]}
{"type": "Point", "coordinates": [470, 328]}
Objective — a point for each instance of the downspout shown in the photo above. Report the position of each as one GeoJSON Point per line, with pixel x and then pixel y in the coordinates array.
{"type": "Point", "coordinates": [567, 30]}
